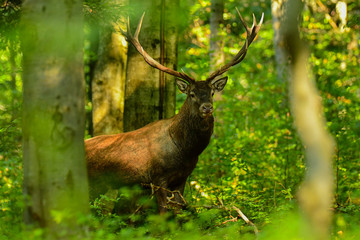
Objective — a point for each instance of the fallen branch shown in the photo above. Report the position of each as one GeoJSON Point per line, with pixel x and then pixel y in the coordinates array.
{"type": "Point", "coordinates": [233, 219]}
{"type": "Point", "coordinates": [242, 215]}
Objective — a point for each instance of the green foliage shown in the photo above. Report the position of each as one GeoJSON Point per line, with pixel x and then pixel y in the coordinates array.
{"type": "Point", "coordinates": [11, 203]}
{"type": "Point", "coordinates": [255, 160]}
{"type": "Point", "coordinates": [103, 13]}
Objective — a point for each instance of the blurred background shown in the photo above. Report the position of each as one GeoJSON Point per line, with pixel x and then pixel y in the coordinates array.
{"type": "Point", "coordinates": [255, 159]}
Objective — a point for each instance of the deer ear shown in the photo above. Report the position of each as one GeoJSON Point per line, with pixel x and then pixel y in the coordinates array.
{"type": "Point", "coordinates": [182, 85]}
{"type": "Point", "coordinates": [218, 84]}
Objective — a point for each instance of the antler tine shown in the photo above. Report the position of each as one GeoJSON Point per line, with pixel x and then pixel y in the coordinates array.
{"type": "Point", "coordinates": [261, 20]}
{"type": "Point", "coordinates": [254, 20]}
{"type": "Point", "coordinates": [248, 30]}
{"type": "Point", "coordinates": [136, 36]}
{"type": "Point", "coordinates": [152, 62]}
{"type": "Point", "coordinates": [128, 32]}
{"type": "Point", "coordinates": [258, 26]}
{"type": "Point", "coordinates": [251, 34]}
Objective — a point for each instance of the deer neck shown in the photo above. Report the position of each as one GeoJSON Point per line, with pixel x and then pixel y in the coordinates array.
{"type": "Point", "coordinates": [190, 132]}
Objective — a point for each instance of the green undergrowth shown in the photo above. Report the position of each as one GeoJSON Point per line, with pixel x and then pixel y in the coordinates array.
{"type": "Point", "coordinates": [255, 160]}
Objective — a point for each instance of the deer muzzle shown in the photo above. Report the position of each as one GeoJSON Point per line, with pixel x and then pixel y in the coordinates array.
{"type": "Point", "coordinates": [206, 109]}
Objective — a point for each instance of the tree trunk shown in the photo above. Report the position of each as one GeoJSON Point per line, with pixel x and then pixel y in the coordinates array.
{"type": "Point", "coordinates": [108, 83]}
{"type": "Point", "coordinates": [216, 53]}
{"type": "Point", "coordinates": [277, 12]}
{"type": "Point", "coordinates": [169, 43]}
{"type": "Point", "coordinates": [12, 60]}
{"type": "Point", "coordinates": [150, 94]}
{"type": "Point", "coordinates": [217, 57]}
{"type": "Point", "coordinates": [94, 39]}
{"type": "Point", "coordinates": [316, 193]}
{"type": "Point", "coordinates": [55, 179]}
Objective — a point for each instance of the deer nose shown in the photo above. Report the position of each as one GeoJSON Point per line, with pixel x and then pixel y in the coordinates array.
{"type": "Point", "coordinates": [206, 108]}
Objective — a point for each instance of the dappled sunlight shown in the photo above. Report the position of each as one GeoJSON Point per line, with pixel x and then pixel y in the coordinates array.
{"type": "Point", "coordinates": [255, 162]}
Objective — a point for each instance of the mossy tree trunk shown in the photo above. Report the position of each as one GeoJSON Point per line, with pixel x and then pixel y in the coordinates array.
{"type": "Point", "coordinates": [93, 37]}
{"type": "Point", "coordinates": [108, 84]}
{"type": "Point", "coordinates": [150, 94]}
{"type": "Point", "coordinates": [55, 179]}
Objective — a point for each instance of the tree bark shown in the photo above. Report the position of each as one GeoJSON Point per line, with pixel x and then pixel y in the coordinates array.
{"type": "Point", "coordinates": [94, 41]}
{"type": "Point", "coordinates": [216, 53]}
{"type": "Point", "coordinates": [55, 178]}
{"type": "Point", "coordinates": [282, 65]}
{"type": "Point", "coordinates": [217, 57]}
{"type": "Point", "coordinates": [150, 94]}
{"type": "Point", "coordinates": [108, 84]}
{"type": "Point", "coordinates": [316, 193]}
{"type": "Point", "coordinates": [12, 60]}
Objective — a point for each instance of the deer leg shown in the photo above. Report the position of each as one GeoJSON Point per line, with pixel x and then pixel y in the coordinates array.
{"type": "Point", "coordinates": [161, 197]}
{"type": "Point", "coordinates": [176, 200]}
{"type": "Point", "coordinates": [179, 194]}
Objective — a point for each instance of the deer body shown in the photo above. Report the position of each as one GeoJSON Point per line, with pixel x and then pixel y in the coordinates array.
{"type": "Point", "coordinates": [147, 154]}
{"type": "Point", "coordinates": [165, 152]}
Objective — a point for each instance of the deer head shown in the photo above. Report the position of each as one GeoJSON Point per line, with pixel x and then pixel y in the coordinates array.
{"type": "Point", "coordinates": [200, 93]}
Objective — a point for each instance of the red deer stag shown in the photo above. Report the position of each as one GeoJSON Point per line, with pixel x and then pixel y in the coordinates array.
{"type": "Point", "coordinates": [165, 152]}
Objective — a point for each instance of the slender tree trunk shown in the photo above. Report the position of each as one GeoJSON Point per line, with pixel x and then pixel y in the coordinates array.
{"type": "Point", "coordinates": [169, 43]}
{"type": "Point", "coordinates": [12, 60]}
{"type": "Point", "coordinates": [281, 57]}
{"type": "Point", "coordinates": [150, 94]}
{"type": "Point", "coordinates": [216, 53]}
{"type": "Point", "coordinates": [108, 83]}
{"type": "Point", "coordinates": [316, 193]}
{"type": "Point", "coordinates": [282, 65]}
{"type": "Point", "coordinates": [94, 40]}
{"type": "Point", "coordinates": [217, 57]}
{"type": "Point", "coordinates": [55, 179]}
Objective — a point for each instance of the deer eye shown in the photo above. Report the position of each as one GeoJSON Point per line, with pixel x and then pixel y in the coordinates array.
{"type": "Point", "coordinates": [192, 95]}
{"type": "Point", "coordinates": [212, 94]}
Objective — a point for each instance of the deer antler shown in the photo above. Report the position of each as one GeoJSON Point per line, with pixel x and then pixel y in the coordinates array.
{"type": "Point", "coordinates": [152, 62]}
{"type": "Point", "coordinates": [251, 34]}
